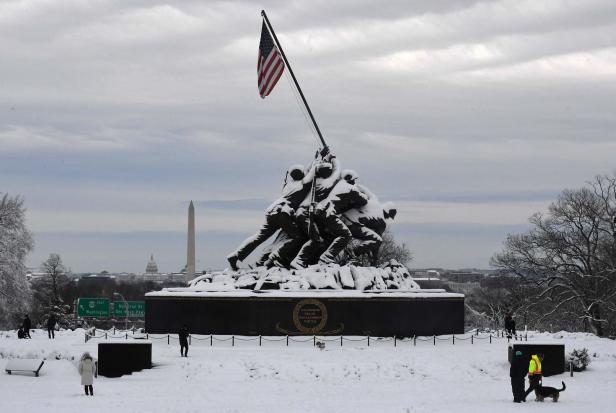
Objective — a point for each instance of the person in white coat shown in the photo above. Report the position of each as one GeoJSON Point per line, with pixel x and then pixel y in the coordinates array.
{"type": "Point", "coordinates": [87, 370]}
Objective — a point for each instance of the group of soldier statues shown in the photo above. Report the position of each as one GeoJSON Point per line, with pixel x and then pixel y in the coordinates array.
{"type": "Point", "coordinates": [322, 210]}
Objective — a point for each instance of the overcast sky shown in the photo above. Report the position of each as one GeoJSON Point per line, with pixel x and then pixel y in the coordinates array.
{"type": "Point", "coordinates": [470, 115]}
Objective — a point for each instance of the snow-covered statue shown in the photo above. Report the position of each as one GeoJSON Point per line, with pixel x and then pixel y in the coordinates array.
{"type": "Point", "coordinates": [321, 211]}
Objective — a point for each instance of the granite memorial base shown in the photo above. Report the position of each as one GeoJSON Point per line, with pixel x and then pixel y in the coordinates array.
{"type": "Point", "coordinates": [554, 356]}
{"type": "Point", "coordinates": [334, 312]}
{"type": "Point", "coordinates": [117, 358]}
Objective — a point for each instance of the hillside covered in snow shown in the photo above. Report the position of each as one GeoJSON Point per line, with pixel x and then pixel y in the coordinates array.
{"type": "Point", "coordinates": [424, 377]}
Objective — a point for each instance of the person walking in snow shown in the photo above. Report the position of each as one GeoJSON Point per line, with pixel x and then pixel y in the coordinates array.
{"type": "Point", "coordinates": [517, 372]}
{"type": "Point", "coordinates": [26, 325]}
{"type": "Point", "coordinates": [51, 326]}
{"type": "Point", "coordinates": [87, 371]}
{"type": "Point", "coordinates": [534, 373]}
{"type": "Point", "coordinates": [183, 334]}
{"type": "Point", "coordinates": [510, 325]}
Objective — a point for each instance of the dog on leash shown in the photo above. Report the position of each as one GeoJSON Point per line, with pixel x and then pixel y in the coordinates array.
{"type": "Point", "coordinates": [542, 392]}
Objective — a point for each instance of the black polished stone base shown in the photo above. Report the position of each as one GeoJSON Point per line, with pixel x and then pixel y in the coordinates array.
{"type": "Point", "coordinates": [118, 358]}
{"type": "Point", "coordinates": [308, 313]}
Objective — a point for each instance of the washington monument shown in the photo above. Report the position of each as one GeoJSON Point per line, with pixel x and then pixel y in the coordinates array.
{"type": "Point", "coordinates": [190, 250]}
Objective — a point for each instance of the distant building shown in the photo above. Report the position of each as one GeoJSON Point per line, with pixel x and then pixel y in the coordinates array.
{"type": "Point", "coordinates": [463, 276]}
{"type": "Point", "coordinates": [151, 268]}
{"type": "Point", "coordinates": [466, 288]}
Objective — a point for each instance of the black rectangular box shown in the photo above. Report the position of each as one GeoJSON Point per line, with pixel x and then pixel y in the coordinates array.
{"type": "Point", "coordinates": [118, 358]}
{"type": "Point", "coordinates": [554, 356]}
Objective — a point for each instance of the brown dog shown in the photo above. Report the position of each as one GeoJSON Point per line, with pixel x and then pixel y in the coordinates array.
{"type": "Point", "coordinates": [542, 392]}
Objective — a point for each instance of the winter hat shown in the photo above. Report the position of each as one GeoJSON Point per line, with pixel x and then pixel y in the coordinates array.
{"type": "Point", "coordinates": [296, 171]}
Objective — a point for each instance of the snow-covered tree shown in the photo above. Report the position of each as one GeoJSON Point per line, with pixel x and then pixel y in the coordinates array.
{"type": "Point", "coordinates": [15, 243]}
{"type": "Point", "coordinates": [570, 253]}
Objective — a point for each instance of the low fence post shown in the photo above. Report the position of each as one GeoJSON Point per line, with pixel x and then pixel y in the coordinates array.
{"type": "Point", "coordinates": [435, 340]}
{"type": "Point", "coordinates": [414, 340]}
{"type": "Point", "coordinates": [259, 340]}
{"type": "Point", "coordinates": [147, 336]}
{"type": "Point", "coordinates": [126, 336]}
{"type": "Point", "coordinates": [232, 341]}
{"type": "Point", "coordinates": [368, 341]}
{"type": "Point", "coordinates": [472, 339]}
{"type": "Point", "coordinates": [340, 341]}
{"type": "Point", "coordinates": [395, 341]}
{"type": "Point", "coordinates": [571, 368]}
{"type": "Point", "coordinates": [105, 335]}
{"type": "Point", "coordinates": [287, 340]}
{"type": "Point", "coordinates": [211, 340]}
{"type": "Point", "coordinates": [490, 338]}
{"type": "Point", "coordinates": [114, 330]}
{"type": "Point", "coordinates": [168, 339]}
{"type": "Point", "coordinates": [453, 339]}
{"type": "Point", "coordinates": [314, 341]}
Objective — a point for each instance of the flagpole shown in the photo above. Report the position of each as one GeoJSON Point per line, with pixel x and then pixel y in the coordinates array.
{"type": "Point", "coordinates": [286, 62]}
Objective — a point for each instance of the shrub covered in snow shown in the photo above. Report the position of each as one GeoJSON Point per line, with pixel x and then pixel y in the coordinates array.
{"type": "Point", "coordinates": [579, 358]}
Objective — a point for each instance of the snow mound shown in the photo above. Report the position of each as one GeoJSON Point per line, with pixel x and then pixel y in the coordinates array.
{"type": "Point", "coordinates": [393, 276]}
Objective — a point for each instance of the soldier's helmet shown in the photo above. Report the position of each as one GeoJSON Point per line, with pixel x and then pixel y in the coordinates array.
{"type": "Point", "coordinates": [324, 170]}
{"type": "Point", "coordinates": [389, 210]}
{"type": "Point", "coordinates": [350, 176]}
{"type": "Point", "coordinates": [296, 172]}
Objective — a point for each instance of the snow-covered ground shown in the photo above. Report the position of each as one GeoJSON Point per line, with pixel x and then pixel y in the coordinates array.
{"type": "Point", "coordinates": [463, 377]}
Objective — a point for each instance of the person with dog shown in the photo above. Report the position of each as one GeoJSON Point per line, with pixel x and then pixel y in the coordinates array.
{"type": "Point", "coordinates": [517, 372]}
{"type": "Point", "coordinates": [534, 373]}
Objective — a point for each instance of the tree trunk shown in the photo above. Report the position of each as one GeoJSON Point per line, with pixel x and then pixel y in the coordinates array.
{"type": "Point", "coordinates": [595, 322]}
{"type": "Point", "coordinates": [55, 289]}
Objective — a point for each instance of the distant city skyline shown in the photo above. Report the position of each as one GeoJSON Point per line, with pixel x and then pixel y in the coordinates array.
{"type": "Point", "coordinates": [469, 115]}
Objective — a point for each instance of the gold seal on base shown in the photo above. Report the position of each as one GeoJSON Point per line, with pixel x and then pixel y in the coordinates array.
{"type": "Point", "coordinates": [310, 316]}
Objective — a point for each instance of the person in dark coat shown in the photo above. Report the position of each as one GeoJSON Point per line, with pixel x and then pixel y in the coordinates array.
{"type": "Point", "coordinates": [510, 325]}
{"type": "Point", "coordinates": [26, 325]}
{"type": "Point", "coordinates": [517, 372]}
{"type": "Point", "coordinates": [183, 333]}
{"type": "Point", "coordinates": [20, 333]}
{"type": "Point", "coordinates": [51, 326]}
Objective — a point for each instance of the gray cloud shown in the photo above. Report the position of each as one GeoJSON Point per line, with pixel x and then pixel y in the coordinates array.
{"type": "Point", "coordinates": [115, 110]}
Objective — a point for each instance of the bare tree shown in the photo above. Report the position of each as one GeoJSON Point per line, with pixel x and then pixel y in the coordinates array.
{"type": "Point", "coordinates": [570, 254]}
{"type": "Point", "coordinates": [15, 243]}
{"type": "Point", "coordinates": [55, 270]}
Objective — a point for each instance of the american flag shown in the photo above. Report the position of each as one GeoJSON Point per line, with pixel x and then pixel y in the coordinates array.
{"type": "Point", "coordinates": [270, 65]}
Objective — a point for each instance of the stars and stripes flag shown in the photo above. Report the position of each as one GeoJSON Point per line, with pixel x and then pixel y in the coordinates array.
{"type": "Point", "coordinates": [270, 64]}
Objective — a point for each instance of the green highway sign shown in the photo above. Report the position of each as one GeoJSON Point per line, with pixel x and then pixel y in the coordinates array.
{"type": "Point", "coordinates": [93, 307]}
{"type": "Point", "coordinates": [136, 309]}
